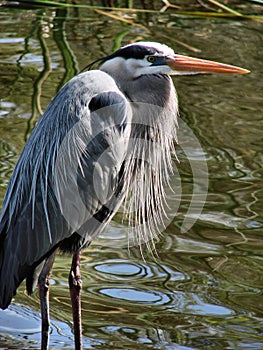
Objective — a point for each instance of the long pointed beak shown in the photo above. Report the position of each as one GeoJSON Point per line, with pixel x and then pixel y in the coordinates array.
{"type": "Point", "coordinates": [185, 64]}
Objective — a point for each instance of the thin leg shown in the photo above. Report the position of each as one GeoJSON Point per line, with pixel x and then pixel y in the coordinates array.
{"type": "Point", "coordinates": [75, 285]}
{"type": "Point", "coordinates": [44, 286]}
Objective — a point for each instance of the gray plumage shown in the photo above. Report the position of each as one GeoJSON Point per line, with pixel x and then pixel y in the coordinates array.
{"type": "Point", "coordinates": [106, 139]}
{"type": "Point", "coordinates": [90, 114]}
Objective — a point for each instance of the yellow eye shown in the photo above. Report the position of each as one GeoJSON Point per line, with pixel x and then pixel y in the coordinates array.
{"type": "Point", "coordinates": [151, 59]}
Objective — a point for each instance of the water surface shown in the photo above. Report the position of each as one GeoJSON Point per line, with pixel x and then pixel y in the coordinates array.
{"type": "Point", "coordinates": [204, 289]}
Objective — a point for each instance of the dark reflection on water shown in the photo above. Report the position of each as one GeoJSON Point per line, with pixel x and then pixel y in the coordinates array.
{"type": "Point", "coordinates": [204, 289]}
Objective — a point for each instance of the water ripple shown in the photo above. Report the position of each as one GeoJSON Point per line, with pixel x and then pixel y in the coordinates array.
{"type": "Point", "coordinates": [137, 296]}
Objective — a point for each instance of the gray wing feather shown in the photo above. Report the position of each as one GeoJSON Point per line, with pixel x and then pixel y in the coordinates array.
{"type": "Point", "coordinates": [40, 209]}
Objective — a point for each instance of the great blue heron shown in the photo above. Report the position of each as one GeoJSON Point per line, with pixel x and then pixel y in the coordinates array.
{"type": "Point", "coordinates": [81, 148]}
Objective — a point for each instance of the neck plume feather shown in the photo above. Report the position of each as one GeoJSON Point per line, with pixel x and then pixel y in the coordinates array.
{"type": "Point", "coordinates": [148, 167]}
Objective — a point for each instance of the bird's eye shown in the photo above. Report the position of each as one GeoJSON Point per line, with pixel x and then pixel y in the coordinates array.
{"type": "Point", "coordinates": [151, 59]}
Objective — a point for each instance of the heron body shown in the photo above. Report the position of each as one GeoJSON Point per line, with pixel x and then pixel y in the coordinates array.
{"type": "Point", "coordinates": [91, 151]}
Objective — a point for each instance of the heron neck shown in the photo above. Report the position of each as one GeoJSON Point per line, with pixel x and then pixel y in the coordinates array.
{"type": "Point", "coordinates": [153, 89]}
{"type": "Point", "coordinates": [153, 99]}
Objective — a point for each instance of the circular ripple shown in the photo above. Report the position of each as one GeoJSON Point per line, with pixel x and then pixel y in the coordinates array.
{"type": "Point", "coordinates": [136, 296]}
{"type": "Point", "coordinates": [119, 269]}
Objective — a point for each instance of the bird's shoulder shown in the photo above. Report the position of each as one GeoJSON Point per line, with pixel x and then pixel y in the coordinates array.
{"type": "Point", "coordinates": [95, 81]}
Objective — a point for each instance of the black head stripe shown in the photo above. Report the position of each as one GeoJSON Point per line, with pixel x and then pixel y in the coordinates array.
{"type": "Point", "coordinates": [126, 52]}
{"type": "Point", "coordinates": [133, 51]}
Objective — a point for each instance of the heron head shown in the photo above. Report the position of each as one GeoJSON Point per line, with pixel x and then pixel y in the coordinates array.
{"type": "Point", "coordinates": [145, 58]}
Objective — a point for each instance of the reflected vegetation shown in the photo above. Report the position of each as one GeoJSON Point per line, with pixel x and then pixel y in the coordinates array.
{"type": "Point", "coordinates": [204, 288]}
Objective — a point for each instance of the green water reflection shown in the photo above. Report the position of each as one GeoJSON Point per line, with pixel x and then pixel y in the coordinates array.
{"type": "Point", "coordinates": [204, 290]}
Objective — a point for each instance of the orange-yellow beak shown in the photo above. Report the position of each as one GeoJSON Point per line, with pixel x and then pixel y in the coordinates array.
{"type": "Point", "coordinates": [185, 64]}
